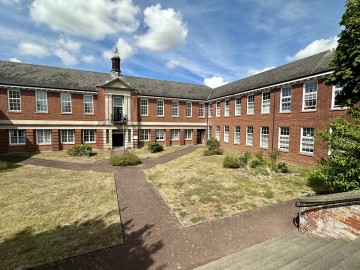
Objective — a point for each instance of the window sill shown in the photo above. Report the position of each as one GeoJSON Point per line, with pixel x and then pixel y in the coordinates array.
{"type": "Point", "coordinates": [67, 143]}
{"type": "Point", "coordinates": [144, 115]}
{"type": "Point", "coordinates": [174, 140]}
{"type": "Point", "coordinates": [339, 109]}
{"type": "Point", "coordinates": [249, 145]}
{"type": "Point", "coordinates": [235, 143]}
{"type": "Point", "coordinates": [43, 143]}
{"type": "Point", "coordinates": [188, 116]}
{"type": "Point", "coordinates": [14, 111]}
{"type": "Point", "coordinates": [17, 144]}
{"type": "Point", "coordinates": [202, 117]}
{"type": "Point", "coordinates": [175, 116]}
{"type": "Point", "coordinates": [66, 113]}
{"type": "Point", "coordinates": [265, 113]}
{"type": "Point", "coordinates": [283, 150]}
{"type": "Point", "coordinates": [160, 116]}
{"type": "Point", "coordinates": [264, 147]}
{"type": "Point", "coordinates": [89, 113]}
{"type": "Point", "coordinates": [306, 154]}
{"type": "Point", "coordinates": [89, 142]}
{"type": "Point", "coordinates": [237, 115]}
{"type": "Point", "coordinates": [188, 139]}
{"type": "Point", "coordinates": [249, 114]}
{"type": "Point", "coordinates": [286, 112]}
{"type": "Point", "coordinates": [305, 111]}
{"type": "Point", "coordinates": [226, 142]}
{"type": "Point", "coordinates": [41, 112]}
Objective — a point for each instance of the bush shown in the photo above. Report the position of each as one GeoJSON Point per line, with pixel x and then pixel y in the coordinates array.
{"type": "Point", "coordinates": [274, 158]}
{"type": "Point", "coordinates": [244, 159]}
{"type": "Point", "coordinates": [259, 160]}
{"type": "Point", "coordinates": [216, 151]}
{"type": "Point", "coordinates": [80, 150]}
{"type": "Point", "coordinates": [262, 170]}
{"type": "Point", "coordinates": [283, 167]}
{"type": "Point", "coordinates": [231, 161]}
{"type": "Point", "coordinates": [212, 143]}
{"type": "Point", "coordinates": [154, 147]}
{"type": "Point", "coordinates": [128, 159]}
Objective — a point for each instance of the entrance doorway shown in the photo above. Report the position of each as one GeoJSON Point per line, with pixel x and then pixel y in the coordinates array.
{"type": "Point", "coordinates": [200, 136]}
{"type": "Point", "coordinates": [117, 139]}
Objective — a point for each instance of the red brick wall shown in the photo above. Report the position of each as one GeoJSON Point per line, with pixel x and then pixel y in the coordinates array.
{"type": "Point", "coordinates": [296, 119]}
{"type": "Point", "coordinates": [338, 221]}
{"type": "Point", "coordinates": [28, 107]}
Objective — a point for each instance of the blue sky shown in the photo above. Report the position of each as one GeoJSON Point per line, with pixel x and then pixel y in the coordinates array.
{"type": "Point", "coordinates": [208, 42]}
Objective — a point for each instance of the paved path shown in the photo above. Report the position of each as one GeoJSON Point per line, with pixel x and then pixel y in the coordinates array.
{"type": "Point", "coordinates": [154, 239]}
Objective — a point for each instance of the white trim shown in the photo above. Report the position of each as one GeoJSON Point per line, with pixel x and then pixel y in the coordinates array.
{"type": "Point", "coordinates": [281, 97]}
{"type": "Point", "coordinates": [333, 98]}
{"type": "Point", "coordinates": [279, 135]}
{"type": "Point", "coordinates": [246, 136]}
{"type": "Point", "coordinates": [268, 135]}
{"type": "Point", "coordinates": [46, 100]}
{"type": "Point", "coordinates": [226, 136]}
{"type": "Point", "coordinates": [162, 106]}
{"type": "Point", "coordinates": [262, 102]}
{"type": "Point", "coordinates": [239, 107]}
{"type": "Point", "coordinates": [173, 98]}
{"type": "Point", "coordinates": [247, 105]}
{"type": "Point", "coordinates": [83, 137]}
{"type": "Point", "coordinates": [43, 131]}
{"type": "Point", "coordinates": [147, 107]}
{"type": "Point", "coordinates": [61, 103]}
{"type": "Point", "coordinates": [186, 109]}
{"type": "Point", "coordinates": [304, 94]}
{"type": "Point", "coordinates": [301, 137]}
{"type": "Point", "coordinates": [92, 104]}
{"type": "Point", "coordinates": [8, 97]}
{"type": "Point", "coordinates": [176, 107]}
{"type": "Point", "coordinates": [191, 133]}
{"type": "Point", "coordinates": [17, 87]}
{"type": "Point", "coordinates": [61, 137]}
{"type": "Point", "coordinates": [16, 144]}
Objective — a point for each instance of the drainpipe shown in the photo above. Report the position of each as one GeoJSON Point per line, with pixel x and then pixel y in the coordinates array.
{"type": "Point", "coordinates": [273, 122]}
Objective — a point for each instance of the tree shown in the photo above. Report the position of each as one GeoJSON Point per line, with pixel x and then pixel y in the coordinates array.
{"type": "Point", "coordinates": [340, 171]}
{"type": "Point", "coordinates": [347, 57]}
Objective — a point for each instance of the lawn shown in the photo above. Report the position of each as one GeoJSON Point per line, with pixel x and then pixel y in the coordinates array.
{"type": "Point", "coordinates": [48, 214]}
{"type": "Point", "coordinates": [197, 188]}
{"type": "Point", "coordinates": [143, 153]}
{"type": "Point", "coordinates": [97, 155]}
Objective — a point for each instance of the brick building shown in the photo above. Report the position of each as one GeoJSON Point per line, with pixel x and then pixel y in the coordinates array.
{"type": "Point", "coordinates": [47, 108]}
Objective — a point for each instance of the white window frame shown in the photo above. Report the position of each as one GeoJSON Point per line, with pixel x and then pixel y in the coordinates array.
{"type": "Point", "coordinates": [160, 107]}
{"type": "Point", "coordinates": [144, 135]}
{"type": "Point", "coordinates": [91, 133]}
{"type": "Point", "coordinates": [265, 102]}
{"type": "Point", "coordinates": [89, 104]}
{"type": "Point", "coordinates": [250, 108]}
{"type": "Point", "coordinates": [335, 89]}
{"type": "Point", "coordinates": [175, 108]}
{"type": "Point", "coordinates": [249, 135]}
{"type": "Point", "coordinates": [65, 102]}
{"type": "Point", "coordinates": [68, 134]}
{"type": "Point", "coordinates": [264, 137]}
{"type": "Point", "coordinates": [307, 142]}
{"type": "Point", "coordinates": [227, 107]}
{"type": "Point", "coordinates": [237, 106]}
{"type": "Point", "coordinates": [217, 133]}
{"type": "Point", "coordinates": [188, 134]}
{"type": "Point", "coordinates": [188, 109]}
{"type": "Point", "coordinates": [209, 131]}
{"type": "Point", "coordinates": [210, 110]}
{"type": "Point", "coordinates": [43, 136]}
{"type": "Point", "coordinates": [14, 101]}
{"type": "Point", "coordinates": [309, 96]}
{"type": "Point", "coordinates": [19, 135]}
{"type": "Point", "coordinates": [201, 110]}
{"type": "Point", "coordinates": [237, 131]}
{"type": "Point", "coordinates": [218, 109]}
{"type": "Point", "coordinates": [41, 102]}
{"type": "Point", "coordinates": [144, 107]}
{"type": "Point", "coordinates": [160, 135]}
{"type": "Point", "coordinates": [226, 134]}
{"type": "Point", "coordinates": [284, 139]}
{"type": "Point", "coordinates": [174, 134]}
{"type": "Point", "coordinates": [285, 99]}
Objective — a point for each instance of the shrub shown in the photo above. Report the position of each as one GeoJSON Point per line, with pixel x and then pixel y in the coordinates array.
{"type": "Point", "coordinates": [262, 170]}
{"type": "Point", "coordinates": [259, 160]}
{"type": "Point", "coordinates": [231, 161]}
{"type": "Point", "coordinates": [128, 159]}
{"type": "Point", "coordinates": [216, 151]}
{"type": "Point", "coordinates": [244, 159]}
{"type": "Point", "coordinates": [283, 167]}
{"type": "Point", "coordinates": [274, 158]}
{"type": "Point", "coordinates": [80, 150]}
{"type": "Point", "coordinates": [212, 143]}
{"type": "Point", "coordinates": [154, 147]}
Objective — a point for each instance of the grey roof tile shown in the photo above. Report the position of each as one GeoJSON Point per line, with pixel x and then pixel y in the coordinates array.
{"type": "Point", "coordinates": [305, 67]}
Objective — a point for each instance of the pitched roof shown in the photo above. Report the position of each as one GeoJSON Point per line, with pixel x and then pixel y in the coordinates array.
{"type": "Point", "coordinates": [20, 74]}
{"type": "Point", "coordinates": [160, 88]}
{"type": "Point", "coordinates": [311, 65]}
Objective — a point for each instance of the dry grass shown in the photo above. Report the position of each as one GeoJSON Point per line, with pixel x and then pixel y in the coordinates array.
{"type": "Point", "coordinates": [143, 153]}
{"type": "Point", "coordinates": [63, 156]}
{"type": "Point", "coordinates": [198, 188]}
{"type": "Point", "coordinates": [48, 214]}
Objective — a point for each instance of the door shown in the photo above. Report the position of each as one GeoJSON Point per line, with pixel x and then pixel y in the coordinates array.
{"type": "Point", "coordinates": [117, 139]}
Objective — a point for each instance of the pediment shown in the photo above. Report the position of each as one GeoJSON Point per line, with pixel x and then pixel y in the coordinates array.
{"type": "Point", "coordinates": [117, 83]}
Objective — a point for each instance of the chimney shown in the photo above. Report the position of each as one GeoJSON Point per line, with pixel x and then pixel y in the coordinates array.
{"type": "Point", "coordinates": [115, 61]}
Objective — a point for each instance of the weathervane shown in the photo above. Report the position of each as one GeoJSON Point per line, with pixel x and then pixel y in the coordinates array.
{"type": "Point", "coordinates": [116, 51]}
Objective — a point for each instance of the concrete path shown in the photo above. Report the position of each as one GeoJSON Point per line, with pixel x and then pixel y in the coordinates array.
{"type": "Point", "coordinates": [154, 239]}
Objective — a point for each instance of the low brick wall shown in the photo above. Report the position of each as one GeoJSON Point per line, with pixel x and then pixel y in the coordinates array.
{"type": "Point", "coordinates": [338, 218]}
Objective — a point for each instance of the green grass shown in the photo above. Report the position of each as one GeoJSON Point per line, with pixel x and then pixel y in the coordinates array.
{"type": "Point", "coordinates": [97, 155]}
{"type": "Point", "coordinates": [48, 214]}
{"type": "Point", "coordinates": [203, 189]}
{"type": "Point", "coordinates": [143, 153]}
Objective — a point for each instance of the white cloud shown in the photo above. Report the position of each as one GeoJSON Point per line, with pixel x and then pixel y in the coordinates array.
{"type": "Point", "coordinates": [214, 82]}
{"type": "Point", "coordinates": [93, 19]}
{"type": "Point", "coordinates": [69, 44]}
{"type": "Point", "coordinates": [172, 64]}
{"type": "Point", "coordinates": [125, 50]}
{"type": "Point", "coordinates": [66, 57]}
{"type": "Point", "coordinates": [29, 48]}
{"type": "Point", "coordinates": [14, 59]}
{"type": "Point", "coordinates": [253, 71]}
{"type": "Point", "coordinates": [314, 47]}
{"type": "Point", "coordinates": [166, 29]}
{"type": "Point", "coordinates": [88, 58]}
{"type": "Point", "coordinates": [10, 2]}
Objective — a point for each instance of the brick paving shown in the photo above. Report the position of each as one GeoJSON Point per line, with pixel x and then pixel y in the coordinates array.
{"type": "Point", "coordinates": [154, 238]}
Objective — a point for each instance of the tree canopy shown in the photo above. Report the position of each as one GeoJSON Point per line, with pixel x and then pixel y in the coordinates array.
{"type": "Point", "coordinates": [347, 57]}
